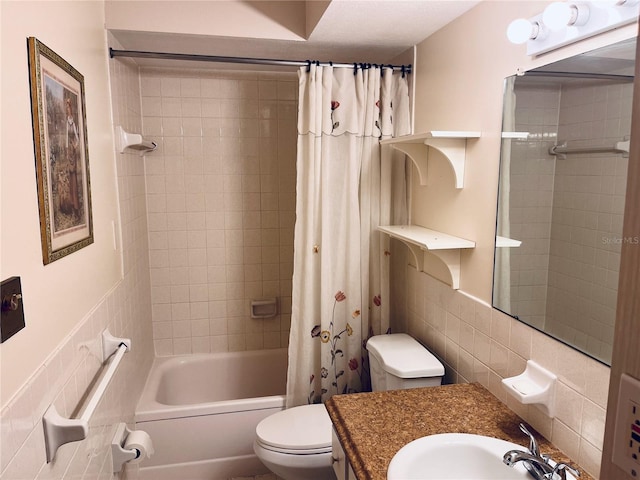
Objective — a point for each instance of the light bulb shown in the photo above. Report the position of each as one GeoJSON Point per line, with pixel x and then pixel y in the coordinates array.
{"type": "Point", "coordinates": [521, 30]}
{"type": "Point", "coordinates": [557, 15]}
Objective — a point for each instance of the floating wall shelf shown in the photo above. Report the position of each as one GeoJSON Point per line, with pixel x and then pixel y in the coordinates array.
{"type": "Point", "coordinates": [507, 242]}
{"type": "Point", "coordinates": [133, 141]}
{"type": "Point", "coordinates": [515, 135]}
{"type": "Point", "coordinates": [445, 247]}
{"type": "Point", "coordinates": [452, 144]}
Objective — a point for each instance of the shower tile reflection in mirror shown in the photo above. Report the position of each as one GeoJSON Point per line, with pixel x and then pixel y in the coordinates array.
{"type": "Point", "coordinates": [567, 211]}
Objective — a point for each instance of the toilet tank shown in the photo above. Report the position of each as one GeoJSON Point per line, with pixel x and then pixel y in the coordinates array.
{"type": "Point", "coordinates": [398, 361]}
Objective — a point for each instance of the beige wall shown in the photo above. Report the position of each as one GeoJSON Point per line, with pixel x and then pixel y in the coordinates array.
{"type": "Point", "coordinates": [459, 85]}
{"type": "Point", "coordinates": [63, 380]}
{"type": "Point", "coordinates": [71, 359]}
{"type": "Point", "coordinates": [280, 20]}
{"type": "Point", "coordinates": [59, 295]}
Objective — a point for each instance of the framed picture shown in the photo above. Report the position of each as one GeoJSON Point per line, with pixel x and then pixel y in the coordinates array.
{"type": "Point", "coordinates": [62, 157]}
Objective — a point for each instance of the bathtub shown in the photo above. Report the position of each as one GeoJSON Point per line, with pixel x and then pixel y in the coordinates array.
{"type": "Point", "coordinates": [201, 412]}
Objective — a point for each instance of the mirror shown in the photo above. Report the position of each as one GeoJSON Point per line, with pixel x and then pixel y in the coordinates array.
{"type": "Point", "coordinates": [561, 196]}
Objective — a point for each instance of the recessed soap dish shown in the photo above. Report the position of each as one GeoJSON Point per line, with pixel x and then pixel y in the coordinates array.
{"type": "Point", "coordinates": [535, 385]}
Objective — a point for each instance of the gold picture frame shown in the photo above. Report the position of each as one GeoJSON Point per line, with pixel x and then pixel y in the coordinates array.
{"type": "Point", "coordinates": [61, 153]}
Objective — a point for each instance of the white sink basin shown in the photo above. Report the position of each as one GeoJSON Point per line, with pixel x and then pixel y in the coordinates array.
{"type": "Point", "coordinates": [458, 456]}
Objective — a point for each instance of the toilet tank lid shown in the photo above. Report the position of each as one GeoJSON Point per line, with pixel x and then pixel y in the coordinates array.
{"type": "Point", "coordinates": [404, 357]}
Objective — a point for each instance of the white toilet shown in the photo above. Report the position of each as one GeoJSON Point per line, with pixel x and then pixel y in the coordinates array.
{"type": "Point", "coordinates": [295, 444]}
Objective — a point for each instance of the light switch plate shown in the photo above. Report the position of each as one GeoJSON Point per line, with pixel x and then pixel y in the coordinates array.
{"type": "Point", "coordinates": [12, 316]}
{"type": "Point", "coordinates": [626, 445]}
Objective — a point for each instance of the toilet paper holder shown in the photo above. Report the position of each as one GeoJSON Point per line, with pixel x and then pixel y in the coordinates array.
{"type": "Point", "coordinates": [121, 455]}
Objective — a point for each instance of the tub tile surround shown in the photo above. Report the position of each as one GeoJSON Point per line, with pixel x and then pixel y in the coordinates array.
{"type": "Point", "coordinates": [481, 344]}
{"type": "Point", "coordinates": [221, 206]}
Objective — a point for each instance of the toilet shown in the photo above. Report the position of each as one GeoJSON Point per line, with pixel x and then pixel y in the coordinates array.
{"type": "Point", "coordinates": [295, 444]}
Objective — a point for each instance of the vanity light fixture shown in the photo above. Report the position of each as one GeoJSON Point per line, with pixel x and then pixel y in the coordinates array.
{"type": "Point", "coordinates": [563, 23]}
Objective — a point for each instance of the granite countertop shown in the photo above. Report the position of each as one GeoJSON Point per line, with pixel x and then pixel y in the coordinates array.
{"type": "Point", "coordinates": [372, 427]}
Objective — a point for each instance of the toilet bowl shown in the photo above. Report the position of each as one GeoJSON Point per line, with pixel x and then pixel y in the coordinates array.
{"type": "Point", "coordinates": [295, 444]}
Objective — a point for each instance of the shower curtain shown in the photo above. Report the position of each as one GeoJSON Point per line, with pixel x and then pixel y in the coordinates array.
{"type": "Point", "coordinates": [502, 268]}
{"type": "Point", "coordinates": [343, 193]}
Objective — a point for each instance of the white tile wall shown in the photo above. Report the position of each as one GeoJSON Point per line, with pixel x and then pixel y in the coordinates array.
{"type": "Point", "coordinates": [532, 175]}
{"type": "Point", "coordinates": [588, 209]}
{"type": "Point", "coordinates": [568, 212]}
{"type": "Point", "coordinates": [63, 380]}
{"type": "Point", "coordinates": [68, 371]}
{"type": "Point", "coordinates": [481, 344]}
{"type": "Point", "coordinates": [221, 206]}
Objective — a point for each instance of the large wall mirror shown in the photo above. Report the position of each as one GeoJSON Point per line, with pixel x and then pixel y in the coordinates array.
{"type": "Point", "coordinates": [561, 196]}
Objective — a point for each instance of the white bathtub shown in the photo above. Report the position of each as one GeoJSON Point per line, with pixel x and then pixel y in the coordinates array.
{"type": "Point", "coordinates": [201, 412]}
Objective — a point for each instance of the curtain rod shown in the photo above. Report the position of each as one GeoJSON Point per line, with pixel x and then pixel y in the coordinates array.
{"type": "Point", "coordinates": [256, 61]}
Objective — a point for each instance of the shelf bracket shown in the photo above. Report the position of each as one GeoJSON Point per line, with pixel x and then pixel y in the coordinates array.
{"type": "Point", "coordinates": [416, 251]}
{"type": "Point", "coordinates": [419, 155]}
{"type": "Point", "coordinates": [451, 259]}
{"type": "Point", "coordinates": [451, 144]}
{"type": "Point", "coordinates": [420, 240]}
{"type": "Point", "coordinates": [454, 150]}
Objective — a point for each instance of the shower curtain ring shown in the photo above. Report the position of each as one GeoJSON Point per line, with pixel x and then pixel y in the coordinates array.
{"type": "Point", "coordinates": [308, 66]}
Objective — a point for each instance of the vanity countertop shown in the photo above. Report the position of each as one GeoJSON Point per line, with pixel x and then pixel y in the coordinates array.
{"type": "Point", "coordinates": [372, 427]}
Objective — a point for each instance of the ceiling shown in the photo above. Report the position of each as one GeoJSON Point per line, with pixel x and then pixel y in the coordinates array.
{"type": "Point", "coordinates": [372, 31]}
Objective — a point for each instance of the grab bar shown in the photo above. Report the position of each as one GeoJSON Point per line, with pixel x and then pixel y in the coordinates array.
{"type": "Point", "coordinates": [563, 150]}
{"type": "Point", "coordinates": [59, 430]}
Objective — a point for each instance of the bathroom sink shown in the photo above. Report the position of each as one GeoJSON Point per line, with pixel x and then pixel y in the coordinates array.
{"type": "Point", "coordinates": [456, 456]}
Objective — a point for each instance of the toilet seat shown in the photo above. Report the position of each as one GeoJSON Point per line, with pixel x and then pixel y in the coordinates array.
{"type": "Point", "coordinates": [304, 430]}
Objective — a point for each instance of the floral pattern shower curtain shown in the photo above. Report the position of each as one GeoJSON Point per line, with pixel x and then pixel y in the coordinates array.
{"type": "Point", "coordinates": [343, 193]}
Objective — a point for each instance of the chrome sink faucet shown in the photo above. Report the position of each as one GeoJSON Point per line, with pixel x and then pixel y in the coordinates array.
{"type": "Point", "coordinates": [537, 465]}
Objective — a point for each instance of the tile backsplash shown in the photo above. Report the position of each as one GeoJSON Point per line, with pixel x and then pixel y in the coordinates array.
{"type": "Point", "coordinates": [480, 344]}
{"type": "Point", "coordinates": [221, 206]}
{"type": "Point", "coordinates": [62, 381]}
